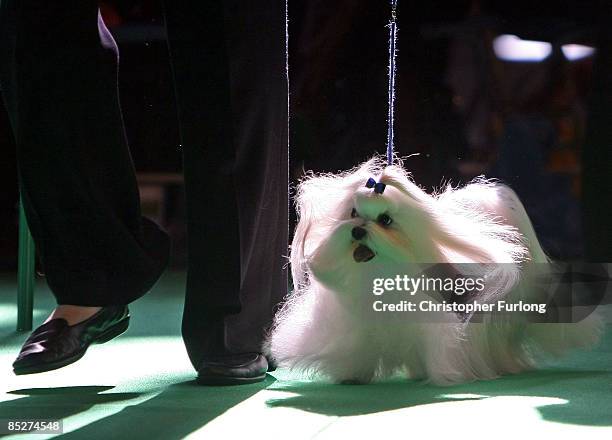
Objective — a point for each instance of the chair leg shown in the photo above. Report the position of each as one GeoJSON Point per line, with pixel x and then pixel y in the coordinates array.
{"type": "Point", "coordinates": [26, 274]}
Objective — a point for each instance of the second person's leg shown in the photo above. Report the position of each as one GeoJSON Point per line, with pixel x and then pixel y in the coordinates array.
{"type": "Point", "coordinates": [230, 75]}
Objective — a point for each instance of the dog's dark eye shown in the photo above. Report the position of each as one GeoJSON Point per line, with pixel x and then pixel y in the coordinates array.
{"type": "Point", "coordinates": [353, 213]}
{"type": "Point", "coordinates": [384, 220]}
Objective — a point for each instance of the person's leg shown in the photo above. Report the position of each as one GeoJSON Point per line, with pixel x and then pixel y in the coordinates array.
{"type": "Point", "coordinates": [59, 80]}
{"type": "Point", "coordinates": [259, 84]}
{"type": "Point", "coordinates": [231, 86]}
{"type": "Point", "coordinates": [200, 69]}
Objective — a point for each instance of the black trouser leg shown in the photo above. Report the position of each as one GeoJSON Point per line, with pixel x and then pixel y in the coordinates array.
{"type": "Point", "coordinates": [229, 66]}
{"type": "Point", "coordinates": [59, 77]}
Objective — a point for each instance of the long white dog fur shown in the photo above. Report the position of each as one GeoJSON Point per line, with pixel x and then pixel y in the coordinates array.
{"type": "Point", "coordinates": [322, 331]}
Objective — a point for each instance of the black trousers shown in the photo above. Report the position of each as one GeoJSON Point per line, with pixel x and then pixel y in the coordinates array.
{"type": "Point", "coordinates": [59, 80]}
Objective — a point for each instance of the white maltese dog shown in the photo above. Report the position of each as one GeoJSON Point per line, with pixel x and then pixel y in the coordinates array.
{"type": "Point", "coordinates": [373, 221]}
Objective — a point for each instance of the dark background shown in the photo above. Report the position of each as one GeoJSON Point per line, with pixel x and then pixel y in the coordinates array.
{"type": "Point", "coordinates": [544, 128]}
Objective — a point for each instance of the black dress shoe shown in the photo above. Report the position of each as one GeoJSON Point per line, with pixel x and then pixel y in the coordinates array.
{"type": "Point", "coordinates": [56, 344]}
{"type": "Point", "coordinates": [232, 369]}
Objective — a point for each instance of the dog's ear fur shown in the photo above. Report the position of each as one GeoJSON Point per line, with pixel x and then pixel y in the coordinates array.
{"type": "Point", "coordinates": [321, 200]}
{"type": "Point", "coordinates": [467, 229]}
{"type": "Point", "coordinates": [460, 229]}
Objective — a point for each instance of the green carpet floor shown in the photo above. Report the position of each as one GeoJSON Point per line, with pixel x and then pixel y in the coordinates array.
{"type": "Point", "coordinates": [140, 386]}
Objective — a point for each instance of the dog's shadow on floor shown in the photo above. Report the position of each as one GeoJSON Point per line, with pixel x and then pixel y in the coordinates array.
{"type": "Point", "coordinates": [587, 392]}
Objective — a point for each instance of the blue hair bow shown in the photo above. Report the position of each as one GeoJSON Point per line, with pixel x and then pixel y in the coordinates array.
{"type": "Point", "coordinates": [379, 187]}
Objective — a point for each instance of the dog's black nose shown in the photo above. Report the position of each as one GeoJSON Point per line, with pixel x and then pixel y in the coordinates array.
{"type": "Point", "coordinates": [358, 232]}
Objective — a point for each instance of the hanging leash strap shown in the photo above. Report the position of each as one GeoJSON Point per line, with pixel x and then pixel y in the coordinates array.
{"type": "Point", "coordinates": [392, 52]}
{"type": "Point", "coordinates": [379, 187]}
